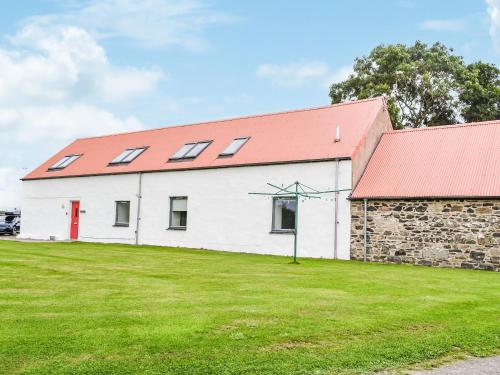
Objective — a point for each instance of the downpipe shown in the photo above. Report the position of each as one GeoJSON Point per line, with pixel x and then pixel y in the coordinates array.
{"type": "Point", "coordinates": [365, 201]}
{"type": "Point", "coordinates": [336, 225]}
{"type": "Point", "coordinates": [139, 198]}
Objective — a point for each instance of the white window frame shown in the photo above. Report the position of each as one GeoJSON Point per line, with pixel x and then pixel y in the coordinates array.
{"type": "Point", "coordinates": [186, 151]}
{"type": "Point", "coordinates": [128, 156]}
{"type": "Point", "coordinates": [227, 152]}
{"type": "Point", "coordinates": [171, 214]}
{"type": "Point", "coordinates": [281, 230]}
{"type": "Point", "coordinates": [65, 162]}
{"type": "Point", "coordinates": [121, 224]}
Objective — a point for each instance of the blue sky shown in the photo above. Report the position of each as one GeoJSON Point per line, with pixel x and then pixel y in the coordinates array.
{"type": "Point", "coordinates": [80, 68]}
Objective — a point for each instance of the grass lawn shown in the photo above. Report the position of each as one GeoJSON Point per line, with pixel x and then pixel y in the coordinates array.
{"type": "Point", "coordinates": [94, 308]}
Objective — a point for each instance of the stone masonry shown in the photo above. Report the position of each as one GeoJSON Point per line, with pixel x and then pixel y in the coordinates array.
{"type": "Point", "coordinates": [463, 233]}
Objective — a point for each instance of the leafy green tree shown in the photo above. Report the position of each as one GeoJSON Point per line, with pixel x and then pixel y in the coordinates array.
{"type": "Point", "coordinates": [480, 92]}
{"type": "Point", "coordinates": [423, 85]}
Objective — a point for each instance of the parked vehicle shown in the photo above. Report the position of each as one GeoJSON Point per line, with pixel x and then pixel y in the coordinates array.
{"type": "Point", "coordinates": [10, 224]}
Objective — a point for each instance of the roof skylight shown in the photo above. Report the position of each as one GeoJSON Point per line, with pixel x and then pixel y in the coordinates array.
{"type": "Point", "coordinates": [190, 151]}
{"type": "Point", "coordinates": [234, 146]}
{"type": "Point", "coordinates": [128, 155]}
{"type": "Point", "coordinates": [64, 162]}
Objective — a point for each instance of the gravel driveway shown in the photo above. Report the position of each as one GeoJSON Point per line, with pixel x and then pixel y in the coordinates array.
{"type": "Point", "coordinates": [475, 366]}
{"type": "Point", "coordinates": [7, 237]}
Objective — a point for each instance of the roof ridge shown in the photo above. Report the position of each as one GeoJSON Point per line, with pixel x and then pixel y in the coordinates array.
{"type": "Point", "coordinates": [240, 117]}
{"type": "Point", "coordinates": [441, 127]}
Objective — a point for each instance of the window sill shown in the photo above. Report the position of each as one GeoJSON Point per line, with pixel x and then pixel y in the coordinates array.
{"type": "Point", "coordinates": [282, 231]}
{"type": "Point", "coordinates": [120, 225]}
{"type": "Point", "coordinates": [176, 228]}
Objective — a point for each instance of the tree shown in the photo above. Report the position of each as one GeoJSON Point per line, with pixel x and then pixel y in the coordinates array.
{"type": "Point", "coordinates": [423, 85]}
{"type": "Point", "coordinates": [480, 92]}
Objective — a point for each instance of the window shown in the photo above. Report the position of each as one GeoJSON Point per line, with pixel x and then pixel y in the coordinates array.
{"type": "Point", "coordinates": [190, 151]}
{"type": "Point", "coordinates": [284, 214]}
{"type": "Point", "coordinates": [197, 149]}
{"type": "Point", "coordinates": [122, 213]}
{"type": "Point", "coordinates": [128, 155]}
{"type": "Point", "coordinates": [234, 147]}
{"type": "Point", "coordinates": [178, 213]}
{"type": "Point", "coordinates": [182, 151]}
{"type": "Point", "coordinates": [64, 162]}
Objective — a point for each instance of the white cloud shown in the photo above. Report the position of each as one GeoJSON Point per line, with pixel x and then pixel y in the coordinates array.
{"type": "Point", "coordinates": [494, 15]}
{"type": "Point", "coordinates": [54, 82]}
{"type": "Point", "coordinates": [62, 63]}
{"type": "Point", "coordinates": [443, 24]}
{"type": "Point", "coordinates": [340, 74]}
{"type": "Point", "coordinates": [121, 83]}
{"type": "Point", "coordinates": [151, 23]}
{"type": "Point", "coordinates": [10, 187]}
{"type": "Point", "coordinates": [297, 74]}
{"type": "Point", "coordinates": [34, 124]}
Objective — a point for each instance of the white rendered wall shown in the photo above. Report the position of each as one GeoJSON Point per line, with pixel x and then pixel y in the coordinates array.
{"type": "Point", "coordinates": [48, 208]}
{"type": "Point", "coordinates": [221, 213]}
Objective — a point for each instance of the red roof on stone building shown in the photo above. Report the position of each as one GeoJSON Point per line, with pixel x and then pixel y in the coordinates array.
{"type": "Point", "coordinates": [443, 161]}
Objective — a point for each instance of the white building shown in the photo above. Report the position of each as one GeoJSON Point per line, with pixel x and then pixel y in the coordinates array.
{"type": "Point", "coordinates": [189, 185]}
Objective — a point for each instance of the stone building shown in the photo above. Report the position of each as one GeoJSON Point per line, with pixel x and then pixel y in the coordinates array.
{"type": "Point", "coordinates": [431, 197]}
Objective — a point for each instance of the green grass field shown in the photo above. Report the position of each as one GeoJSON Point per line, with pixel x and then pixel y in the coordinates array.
{"type": "Point", "coordinates": [115, 309]}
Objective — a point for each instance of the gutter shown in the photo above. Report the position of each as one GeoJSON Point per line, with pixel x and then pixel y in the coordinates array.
{"type": "Point", "coordinates": [187, 169]}
{"type": "Point", "coordinates": [430, 197]}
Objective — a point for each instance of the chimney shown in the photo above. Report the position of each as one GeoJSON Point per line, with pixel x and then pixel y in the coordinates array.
{"type": "Point", "coordinates": [337, 134]}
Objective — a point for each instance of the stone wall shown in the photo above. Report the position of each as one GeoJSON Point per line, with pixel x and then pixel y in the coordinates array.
{"type": "Point", "coordinates": [462, 233]}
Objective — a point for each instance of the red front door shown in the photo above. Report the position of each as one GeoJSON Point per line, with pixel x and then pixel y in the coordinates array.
{"type": "Point", "coordinates": [75, 219]}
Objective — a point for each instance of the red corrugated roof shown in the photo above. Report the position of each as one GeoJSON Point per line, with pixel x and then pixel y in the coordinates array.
{"type": "Point", "coordinates": [443, 161]}
{"type": "Point", "coordinates": [293, 136]}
